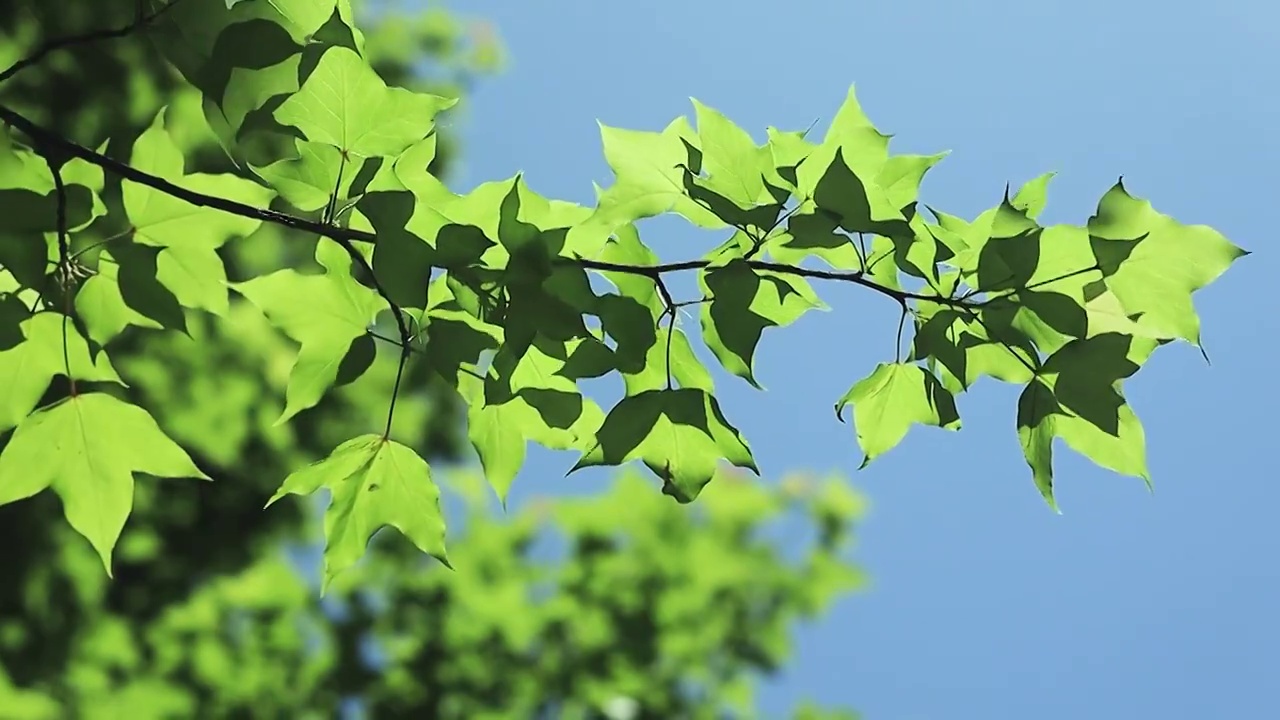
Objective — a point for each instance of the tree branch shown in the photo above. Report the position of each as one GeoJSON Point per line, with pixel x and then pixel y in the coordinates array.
{"type": "Point", "coordinates": [45, 140]}
{"type": "Point", "coordinates": [344, 236]}
{"type": "Point", "coordinates": [55, 44]}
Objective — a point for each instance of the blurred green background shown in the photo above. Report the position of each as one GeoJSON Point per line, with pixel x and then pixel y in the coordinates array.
{"type": "Point", "coordinates": [623, 605]}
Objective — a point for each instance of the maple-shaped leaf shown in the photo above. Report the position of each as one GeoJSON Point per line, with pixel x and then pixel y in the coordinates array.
{"type": "Point", "coordinates": [787, 149]}
{"type": "Point", "coordinates": [837, 190]}
{"type": "Point", "coordinates": [732, 176]}
{"type": "Point", "coordinates": [189, 235]}
{"type": "Point", "coordinates": [865, 147]}
{"type": "Point", "coordinates": [680, 435]}
{"type": "Point", "coordinates": [310, 179]}
{"type": "Point", "coordinates": [500, 432]}
{"type": "Point", "coordinates": [648, 167]}
{"type": "Point", "coordinates": [28, 195]}
{"type": "Point", "coordinates": [901, 175]}
{"type": "Point", "coordinates": [374, 482]}
{"type": "Point", "coordinates": [1154, 263]}
{"type": "Point", "coordinates": [527, 398]}
{"type": "Point", "coordinates": [344, 103]}
{"type": "Point", "coordinates": [1077, 398]}
{"type": "Point", "coordinates": [745, 301]}
{"type": "Point", "coordinates": [323, 313]}
{"type": "Point", "coordinates": [101, 304]}
{"type": "Point", "coordinates": [890, 400]}
{"type": "Point", "coordinates": [28, 367]}
{"type": "Point", "coordinates": [87, 448]}
{"type": "Point", "coordinates": [809, 232]}
{"type": "Point", "coordinates": [735, 165]}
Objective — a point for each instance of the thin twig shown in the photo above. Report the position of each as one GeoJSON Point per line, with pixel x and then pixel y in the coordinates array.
{"type": "Point", "coordinates": [670, 307]}
{"type": "Point", "coordinates": [55, 44]}
{"type": "Point", "coordinates": [123, 233]}
{"type": "Point", "coordinates": [897, 343]}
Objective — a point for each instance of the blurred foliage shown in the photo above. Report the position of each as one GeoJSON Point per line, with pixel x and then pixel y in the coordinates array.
{"type": "Point", "coordinates": [624, 606]}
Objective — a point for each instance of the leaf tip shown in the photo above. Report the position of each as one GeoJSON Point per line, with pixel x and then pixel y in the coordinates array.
{"type": "Point", "coordinates": [279, 494]}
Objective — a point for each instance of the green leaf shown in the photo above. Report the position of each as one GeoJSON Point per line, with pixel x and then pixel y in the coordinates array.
{"type": "Point", "coordinates": [678, 434]}
{"type": "Point", "coordinates": [528, 397]}
{"type": "Point", "coordinates": [87, 447]}
{"type": "Point", "coordinates": [863, 146]}
{"type": "Point", "coordinates": [1153, 263]}
{"type": "Point", "coordinates": [735, 185]}
{"type": "Point", "coordinates": [1007, 256]}
{"type": "Point", "coordinates": [857, 203]}
{"type": "Point", "coordinates": [1077, 397]}
{"type": "Point", "coordinates": [818, 234]}
{"type": "Point", "coordinates": [889, 400]}
{"type": "Point", "coordinates": [29, 366]}
{"type": "Point", "coordinates": [323, 313]}
{"type": "Point", "coordinates": [101, 304]}
{"type": "Point", "coordinates": [1041, 418]}
{"type": "Point", "coordinates": [900, 176]}
{"type": "Point", "coordinates": [375, 482]}
{"type": "Point", "coordinates": [963, 350]}
{"type": "Point", "coordinates": [1033, 196]}
{"type": "Point", "coordinates": [735, 165]}
{"type": "Point", "coordinates": [309, 179]}
{"type": "Point", "coordinates": [455, 341]}
{"type": "Point", "coordinates": [745, 301]}
{"type": "Point", "coordinates": [137, 276]}
{"type": "Point", "coordinates": [344, 103]}
{"type": "Point", "coordinates": [787, 149]}
{"type": "Point", "coordinates": [498, 434]}
{"type": "Point", "coordinates": [28, 194]}
{"type": "Point", "coordinates": [187, 234]}
{"type": "Point", "coordinates": [649, 181]}
{"type": "Point", "coordinates": [195, 275]}
{"type": "Point", "coordinates": [1086, 376]}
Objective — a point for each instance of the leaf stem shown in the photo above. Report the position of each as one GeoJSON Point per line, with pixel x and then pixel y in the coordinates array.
{"type": "Point", "coordinates": [64, 269]}
{"type": "Point", "coordinates": [123, 233]}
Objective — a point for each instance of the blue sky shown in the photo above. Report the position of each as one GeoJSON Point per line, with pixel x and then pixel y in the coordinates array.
{"type": "Point", "coordinates": [984, 603]}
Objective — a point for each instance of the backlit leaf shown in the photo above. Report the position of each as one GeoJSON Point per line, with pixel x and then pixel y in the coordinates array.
{"type": "Point", "coordinates": [28, 367]}
{"type": "Point", "coordinates": [87, 448]}
{"type": "Point", "coordinates": [890, 400]}
{"type": "Point", "coordinates": [678, 434]}
{"type": "Point", "coordinates": [374, 482]}
{"type": "Point", "coordinates": [323, 313]}
{"type": "Point", "coordinates": [344, 103]}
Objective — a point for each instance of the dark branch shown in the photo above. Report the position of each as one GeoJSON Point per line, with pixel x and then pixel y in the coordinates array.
{"type": "Point", "coordinates": [43, 137]}
{"type": "Point", "coordinates": [856, 277]}
{"type": "Point", "coordinates": [344, 236]}
{"type": "Point", "coordinates": [45, 140]}
{"type": "Point", "coordinates": [55, 44]}
{"type": "Point", "coordinates": [51, 141]}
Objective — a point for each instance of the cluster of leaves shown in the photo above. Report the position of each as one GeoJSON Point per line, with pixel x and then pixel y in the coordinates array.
{"type": "Point", "coordinates": [595, 608]}
{"type": "Point", "coordinates": [523, 297]}
{"type": "Point", "coordinates": [208, 614]}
